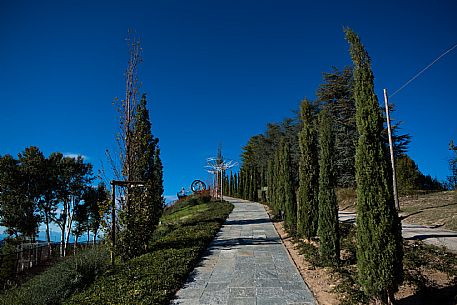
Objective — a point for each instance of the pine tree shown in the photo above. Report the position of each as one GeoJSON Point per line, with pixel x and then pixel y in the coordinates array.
{"type": "Point", "coordinates": [328, 209]}
{"type": "Point", "coordinates": [309, 175]}
{"type": "Point", "coordinates": [336, 95]}
{"type": "Point", "coordinates": [379, 241]}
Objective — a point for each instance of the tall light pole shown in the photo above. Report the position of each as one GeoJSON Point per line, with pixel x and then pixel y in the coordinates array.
{"type": "Point", "coordinates": [115, 183]}
{"type": "Point", "coordinates": [218, 167]}
{"type": "Point", "coordinates": [391, 146]}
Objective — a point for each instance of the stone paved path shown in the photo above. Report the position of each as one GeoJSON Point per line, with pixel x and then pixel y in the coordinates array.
{"type": "Point", "coordinates": [245, 264]}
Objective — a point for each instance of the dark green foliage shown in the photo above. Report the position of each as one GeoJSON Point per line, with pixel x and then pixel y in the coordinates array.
{"type": "Point", "coordinates": [328, 208]}
{"type": "Point", "coordinates": [407, 175]}
{"type": "Point", "coordinates": [145, 204]}
{"type": "Point", "coordinates": [21, 189]}
{"type": "Point", "coordinates": [309, 174]}
{"type": "Point", "coordinates": [400, 141]}
{"type": "Point", "coordinates": [7, 262]}
{"type": "Point", "coordinates": [286, 194]}
{"type": "Point", "coordinates": [452, 179]}
{"type": "Point", "coordinates": [336, 95]}
{"type": "Point", "coordinates": [56, 284]}
{"type": "Point", "coordinates": [410, 179]}
{"type": "Point", "coordinates": [153, 278]}
{"type": "Point", "coordinates": [379, 241]}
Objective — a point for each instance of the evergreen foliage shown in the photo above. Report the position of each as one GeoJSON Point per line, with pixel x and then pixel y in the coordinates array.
{"type": "Point", "coordinates": [452, 179]}
{"type": "Point", "coordinates": [328, 231]}
{"type": "Point", "coordinates": [286, 195]}
{"type": "Point", "coordinates": [379, 241]}
{"type": "Point", "coordinates": [145, 203]}
{"type": "Point", "coordinates": [309, 174]}
{"type": "Point", "coordinates": [336, 95]}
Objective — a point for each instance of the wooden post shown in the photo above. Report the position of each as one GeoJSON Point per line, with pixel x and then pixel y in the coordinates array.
{"type": "Point", "coordinates": [113, 220]}
{"type": "Point", "coordinates": [392, 159]}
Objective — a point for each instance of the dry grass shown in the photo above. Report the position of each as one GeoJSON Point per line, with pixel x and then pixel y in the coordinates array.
{"type": "Point", "coordinates": [435, 209]}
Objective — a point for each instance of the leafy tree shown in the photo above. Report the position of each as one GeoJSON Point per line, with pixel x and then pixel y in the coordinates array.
{"type": "Point", "coordinates": [89, 216]}
{"type": "Point", "coordinates": [98, 208]}
{"type": "Point", "coordinates": [21, 189]}
{"type": "Point", "coordinates": [48, 206]}
{"type": "Point", "coordinates": [31, 168]}
{"type": "Point", "coordinates": [309, 174]}
{"type": "Point", "coordinates": [16, 212]}
{"type": "Point", "coordinates": [379, 241]}
{"type": "Point", "coordinates": [80, 221]}
{"type": "Point", "coordinates": [328, 231]}
{"type": "Point", "coordinates": [74, 176]}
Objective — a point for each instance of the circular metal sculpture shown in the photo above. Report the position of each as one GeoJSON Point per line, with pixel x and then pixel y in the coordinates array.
{"type": "Point", "coordinates": [198, 186]}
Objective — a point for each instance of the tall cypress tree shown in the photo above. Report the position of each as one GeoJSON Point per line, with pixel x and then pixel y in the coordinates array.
{"type": "Point", "coordinates": [288, 203]}
{"type": "Point", "coordinates": [379, 241]}
{"type": "Point", "coordinates": [308, 174]}
{"type": "Point", "coordinates": [328, 209]}
{"type": "Point", "coordinates": [146, 203]}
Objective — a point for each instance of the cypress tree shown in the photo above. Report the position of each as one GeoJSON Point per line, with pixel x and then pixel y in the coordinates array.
{"type": "Point", "coordinates": [270, 185]}
{"type": "Point", "coordinates": [277, 183]}
{"type": "Point", "coordinates": [146, 203]}
{"type": "Point", "coordinates": [379, 241]}
{"type": "Point", "coordinates": [288, 203]}
{"type": "Point", "coordinates": [308, 175]}
{"type": "Point", "coordinates": [235, 185]}
{"type": "Point", "coordinates": [328, 210]}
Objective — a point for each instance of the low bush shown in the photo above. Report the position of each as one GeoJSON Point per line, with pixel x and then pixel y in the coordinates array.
{"type": "Point", "coordinates": [153, 278]}
{"type": "Point", "coordinates": [57, 283]}
{"type": "Point", "coordinates": [7, 263]}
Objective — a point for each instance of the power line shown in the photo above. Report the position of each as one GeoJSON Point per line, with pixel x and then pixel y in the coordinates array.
{"type": "Point", "coordinates": [423, 70]}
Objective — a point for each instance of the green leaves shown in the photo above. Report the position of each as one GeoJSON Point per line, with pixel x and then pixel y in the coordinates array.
{"type": "Point", "coordinates": [308, 173]}
{"type": "Point", "coordinates": [379, 241]}
{"type": "Point", "coordinates": [153, 278]}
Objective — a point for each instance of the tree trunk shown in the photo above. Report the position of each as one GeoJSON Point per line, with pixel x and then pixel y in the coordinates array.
{"type": "Point", "coordinates": [95, 236]}
{"type": "Point", "coordinates": [48, 236]}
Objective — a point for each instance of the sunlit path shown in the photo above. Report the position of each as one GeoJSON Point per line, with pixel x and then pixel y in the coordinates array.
{"type": "Point", "coordinates": [245, 264]}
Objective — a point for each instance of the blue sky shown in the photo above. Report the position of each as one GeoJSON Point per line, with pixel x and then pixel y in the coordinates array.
{"type": "Point", "coordinates": [215, 72]}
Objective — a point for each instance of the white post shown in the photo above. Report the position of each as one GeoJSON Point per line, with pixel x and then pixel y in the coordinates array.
{"type": "Point", "coordinates": [392, 159]}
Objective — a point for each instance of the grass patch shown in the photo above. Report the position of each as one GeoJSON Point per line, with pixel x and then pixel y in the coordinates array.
{"type": "Point", "coordinates": [58, 282]}
{"type": "Point", "coordinates": [153, 278]}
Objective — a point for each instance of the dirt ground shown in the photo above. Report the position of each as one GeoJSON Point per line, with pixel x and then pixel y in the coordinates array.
{"type": "Point", "coordinates": [434, 209]}
{"type": "Point", "coordinates": [322, 281]}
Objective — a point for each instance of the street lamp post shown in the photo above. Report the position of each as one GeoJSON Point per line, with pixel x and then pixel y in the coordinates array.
{"type": "Point", "coordinates": [115, 183]}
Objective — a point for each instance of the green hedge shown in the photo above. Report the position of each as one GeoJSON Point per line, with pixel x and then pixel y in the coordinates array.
{"type": "Point", "coordinates": [154, 277]}
{"type": "Point", "coordinates": [57, 283]}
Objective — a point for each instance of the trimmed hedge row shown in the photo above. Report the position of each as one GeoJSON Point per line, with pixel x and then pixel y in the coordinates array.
{"type": "Point", "coordinates": [154, 277]}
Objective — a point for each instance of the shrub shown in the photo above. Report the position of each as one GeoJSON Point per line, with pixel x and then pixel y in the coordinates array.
{"type": "Point", "coordinates": [153, 278]}
{"type": "Point", "coordinates": [7, 263]}
{"type": "Point", "coordinates": [60, 281]}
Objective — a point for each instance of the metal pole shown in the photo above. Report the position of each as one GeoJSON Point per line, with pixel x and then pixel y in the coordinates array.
{"type": "Point", "coordinates": [392, 159]}
{"type": "Point", "coordinates": [222, 186]}
{"type": "Point", "coordinates": [113, 220]}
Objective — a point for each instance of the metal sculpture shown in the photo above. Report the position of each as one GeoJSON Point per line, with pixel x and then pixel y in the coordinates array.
{"type": "Point", "coordinates": [198, 186]}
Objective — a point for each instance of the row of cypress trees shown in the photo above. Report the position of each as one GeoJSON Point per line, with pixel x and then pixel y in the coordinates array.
{"type": "Point", "coordinates": [307, 201]}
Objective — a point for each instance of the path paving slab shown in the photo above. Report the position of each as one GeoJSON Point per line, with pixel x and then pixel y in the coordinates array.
{"type": "Point", "coordinates": [245, 264]}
